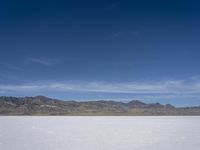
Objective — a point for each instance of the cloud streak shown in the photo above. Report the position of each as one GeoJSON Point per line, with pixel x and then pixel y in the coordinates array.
{"type": "Point", "coordinates": [42, 61]}
{"type": "Point", "coordinates": [11, 66]}
{"type": "Point", "coordinates": [135, 35]}
{"type": "Point", "coordinates": [162, 87]}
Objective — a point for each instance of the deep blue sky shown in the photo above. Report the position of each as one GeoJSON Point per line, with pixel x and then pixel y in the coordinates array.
{"type": "Point", "coordinates": [86, 50]}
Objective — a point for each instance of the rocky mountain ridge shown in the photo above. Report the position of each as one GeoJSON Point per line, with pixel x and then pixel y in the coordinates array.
{"type": "Point", "coordinates": [41, 105]}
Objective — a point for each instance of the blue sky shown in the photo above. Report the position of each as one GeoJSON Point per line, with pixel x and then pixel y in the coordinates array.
{"type": "Point", "coordinates": [89, 50]}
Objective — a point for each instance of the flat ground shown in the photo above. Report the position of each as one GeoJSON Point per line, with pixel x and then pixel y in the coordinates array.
{"type": "Point", "coordinates": [99, 133]}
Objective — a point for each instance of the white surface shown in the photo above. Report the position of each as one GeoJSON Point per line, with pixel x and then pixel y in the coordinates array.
{"type": "Point", "coordinates": [99, 133]}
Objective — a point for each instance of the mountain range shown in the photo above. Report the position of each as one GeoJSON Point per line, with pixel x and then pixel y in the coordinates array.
{"type": "Point", "coordinates": [41, 105]}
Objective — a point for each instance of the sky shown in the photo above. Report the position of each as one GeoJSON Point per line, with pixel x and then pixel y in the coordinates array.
{"type": "Point", "coordinates": [108, 49]}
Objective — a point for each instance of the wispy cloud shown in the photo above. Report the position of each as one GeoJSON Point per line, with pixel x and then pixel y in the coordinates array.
{"type": "Point", "coordinates": [11, 66]}
{"type": "Point", "coordinates": [117, 34]}
{"type": "Point", "coordinates": [126, 34]}
{"type": "Point", "coordinates": [121, 63]}
{"type": "Point", "coordinates": [136, 34]}
{"type": "Point", "coordinates": [115, 4]}
{"type": "Point", "coordinates": [4, 76]}
{"type": "Point", "coordinates": [42, 61]}
{"type": "Point", "coordinates": [175, 87]}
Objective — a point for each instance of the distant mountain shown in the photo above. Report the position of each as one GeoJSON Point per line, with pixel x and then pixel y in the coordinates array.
{"type": "Point", "coordinates": [41, 105]}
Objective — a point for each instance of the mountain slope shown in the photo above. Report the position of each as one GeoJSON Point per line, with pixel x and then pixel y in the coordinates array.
{"type": "Point", "coordinates": [41, 105]}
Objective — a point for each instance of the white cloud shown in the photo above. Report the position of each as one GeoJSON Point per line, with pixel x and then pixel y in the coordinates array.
{"type": "Point", "coordinates": [42, 61]}
{"type": "Point", "coordinates": [161, 87]}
